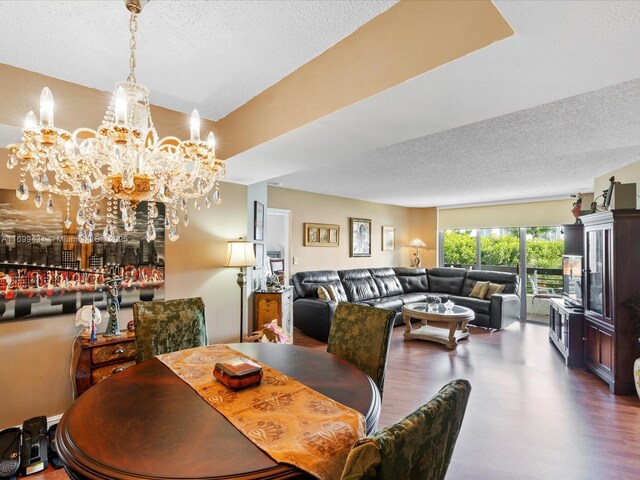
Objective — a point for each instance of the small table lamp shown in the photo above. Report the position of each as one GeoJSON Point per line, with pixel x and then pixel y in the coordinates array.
{"type": "Point", "coordinates": [417, 244]}
{"type": "Point", "coordinates": [241, 254]}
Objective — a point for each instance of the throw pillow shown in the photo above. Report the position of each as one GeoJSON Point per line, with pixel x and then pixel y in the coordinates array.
{"type": "Point", "coordinates": [332, 293]}
{"type": "Point", "coordinates": [323, 294]}
{"type": "Point", "coordinates": [479, 290]}
{"type": "Point", "coordinates": [494, 288]}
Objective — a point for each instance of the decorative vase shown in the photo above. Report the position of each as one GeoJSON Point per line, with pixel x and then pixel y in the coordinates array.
{"type": "Point", "coordinates": [636, 375]}
{"type": "Point", "coordinates": [449, 304]}
{"type": "Point", "coordinates": [113, 307]}
{"type": "Point", "coordinates": [433, 303]}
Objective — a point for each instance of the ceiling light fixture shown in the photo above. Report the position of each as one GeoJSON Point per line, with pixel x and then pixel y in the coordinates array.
{"type": "Point", "coordinates": [123, 163]}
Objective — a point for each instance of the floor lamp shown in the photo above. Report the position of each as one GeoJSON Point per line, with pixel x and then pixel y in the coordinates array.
{"type": "Point", "coordinates": [241, 254]}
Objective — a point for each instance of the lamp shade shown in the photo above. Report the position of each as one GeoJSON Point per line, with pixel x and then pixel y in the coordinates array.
{"type": "Point", "coordinates": [240, 254]}
{"type": "Point", "coordinates": [417, 243]}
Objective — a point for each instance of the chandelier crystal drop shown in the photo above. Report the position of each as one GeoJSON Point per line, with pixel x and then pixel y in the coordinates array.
{"type": "Point", "coordinates": [121, 164]}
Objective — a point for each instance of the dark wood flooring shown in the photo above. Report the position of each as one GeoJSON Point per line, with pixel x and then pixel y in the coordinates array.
{"type": "Point", "coordinates": [529, 417]}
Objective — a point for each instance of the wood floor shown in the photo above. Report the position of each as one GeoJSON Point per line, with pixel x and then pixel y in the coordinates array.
{"type": "Point", "coordinates": [529, 417]}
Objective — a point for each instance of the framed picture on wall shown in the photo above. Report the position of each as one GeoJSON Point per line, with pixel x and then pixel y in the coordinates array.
{"type": "Point", "coordinates": [360, 237]}
{"type": "Point", "coordinates": [321, 235]}
{"type": "Point", "coordinates": [388, 238]}
{"type": "Point", "coordinates": [258, 221]}
{"type": "Point", "coordinates": [259, 251]}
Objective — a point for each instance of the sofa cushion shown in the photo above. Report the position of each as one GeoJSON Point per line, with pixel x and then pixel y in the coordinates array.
{"type": "Point", "coordinates": [412, 280]}
{"type": "Point", "coordinates": [323, 294]}
{"type": "Point", "coordinates": [510, 281]}
{"type": "Point", "coordinates": [306, 283]}
{"type": "Point", "coordinates": [493, 289]}
{"type": "Point", "coordinates": [474, 304]}
{"type": "Point", "coordinates": [386, 281]}
{"type": "Point", "coordinates": [446, 280]}
{"type": "Point", "coordinates": [479, 290]}
{"type": "Point", "coordinates": [358, 285]}
{"type": "Point", "coordinates": [390, 303]}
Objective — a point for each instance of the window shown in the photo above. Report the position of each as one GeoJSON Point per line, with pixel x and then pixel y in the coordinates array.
{"type": "Point", "coordinates": [500, 249]}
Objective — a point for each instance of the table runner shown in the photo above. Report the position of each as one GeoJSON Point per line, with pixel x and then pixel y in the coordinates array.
{"type": "Point", "coordinates": [289, 421]}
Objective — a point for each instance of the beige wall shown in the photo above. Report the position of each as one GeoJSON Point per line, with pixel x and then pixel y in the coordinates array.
{"type": "Point", "coordinates": [35, 354]}
{"type": "Point", "coordinates": [405, 41]}
{"type": "Point", "coordinates": [627, 174]}
{"type": "Point", "coordinates": [315, 208]}
{"type": "Point", "coordinates": [530, 214]}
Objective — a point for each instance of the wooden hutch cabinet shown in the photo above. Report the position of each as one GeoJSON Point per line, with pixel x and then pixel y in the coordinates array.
{"type": "Point", "coordinates": [274, 305]}
{"type": "Point", "coordinates": [611, 277]}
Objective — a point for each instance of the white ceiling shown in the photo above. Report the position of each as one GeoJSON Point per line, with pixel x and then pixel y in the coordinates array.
{"type": "Point", "coordinates": [210, 55]}
{"type": "Point", "coordinates": [384, 148]}
{"type": "Point", "coordinates": [513, 120]}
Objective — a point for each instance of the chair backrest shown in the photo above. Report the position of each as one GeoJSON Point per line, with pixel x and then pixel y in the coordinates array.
{"type": "Point", "coordinates": [418, 446]}
{"type": "Point", "coordinates": [167, 326]}
{"type": "Point", "coordinates": [361, 335]}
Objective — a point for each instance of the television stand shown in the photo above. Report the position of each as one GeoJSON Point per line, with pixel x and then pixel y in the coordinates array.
{"type": "Point", "coordinates": [566, 331]}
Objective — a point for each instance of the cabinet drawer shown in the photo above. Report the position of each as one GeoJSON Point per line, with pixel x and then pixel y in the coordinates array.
{"type": "Point", "coordinates": [102, 373]}
{"type": "Point", "coordinates": [113, 352]}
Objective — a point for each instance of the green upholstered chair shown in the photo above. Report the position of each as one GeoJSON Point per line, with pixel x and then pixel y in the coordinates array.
{"type": "Point", "coordinates": [168, 326]}
{"type": "Point", "coordinates": [419, 446]}
{"type": "Point", "coordinates": [361, 335]}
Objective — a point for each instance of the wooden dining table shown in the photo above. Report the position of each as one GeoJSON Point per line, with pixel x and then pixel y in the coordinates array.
{"type": "Point", "coordinates": [147, 423]}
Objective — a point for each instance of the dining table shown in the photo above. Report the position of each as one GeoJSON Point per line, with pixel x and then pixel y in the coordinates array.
{"type": "Point", "coordinates": [147, 423]}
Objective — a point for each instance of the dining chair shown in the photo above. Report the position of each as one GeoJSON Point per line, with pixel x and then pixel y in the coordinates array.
{"type": "Point", "coordinates": [419, 446]}
{"type": "Point", "coordinates": [167, 326]}
{"type": "Point", "coordinates": [361, 335]}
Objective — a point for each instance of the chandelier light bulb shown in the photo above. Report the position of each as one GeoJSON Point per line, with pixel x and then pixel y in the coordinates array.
{"type": "Point", "coordinates": [195, 126]}
{"type": "Point", "coordinates": [46, 107]}
{"type": "Point", "coordinates": [30, 121]}
{"type": "Point", "coordinates": [211, 140]}
{"type": "Point", "coordinates": [121, 106]}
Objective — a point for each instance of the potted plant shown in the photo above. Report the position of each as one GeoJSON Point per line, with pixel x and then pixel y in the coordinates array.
{"type": "Point", "coordinates": [633, 304]}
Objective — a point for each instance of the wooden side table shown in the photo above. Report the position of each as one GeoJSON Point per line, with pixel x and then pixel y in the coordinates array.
{"type": "Point", "coordinates": [274, 305]}
{"type": "Point", "coordinates": [97, 361]}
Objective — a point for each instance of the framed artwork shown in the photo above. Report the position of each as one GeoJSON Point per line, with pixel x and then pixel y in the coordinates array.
{"type": "Point", "coordinates": [321, 235]}
{"type": "Point", "coordinates": [46, 271]}
{"type": "Point", "coordinates": [360, 237]}
{"type": "Point", "coordinates": [277, 264]}
{"type": "Point", "coordinates": [258, 221]}
{"type": "Point", "coordinates": [259, 251]}
{"type": "Point", "coordinates": [388, 238]}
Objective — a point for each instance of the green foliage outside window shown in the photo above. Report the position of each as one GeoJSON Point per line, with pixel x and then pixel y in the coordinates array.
{"type": "Point", "coordinates": [544, 253]}
{"type": "Point", "coordinates": [460, 249]}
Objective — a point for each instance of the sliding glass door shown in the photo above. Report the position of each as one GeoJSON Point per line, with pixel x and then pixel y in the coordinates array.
{"type": "Point", "coordinates": [535, 253]}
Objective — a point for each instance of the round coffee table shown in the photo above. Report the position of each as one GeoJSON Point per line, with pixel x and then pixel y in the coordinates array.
{"type": "Point", "coordinates": [456, 316]}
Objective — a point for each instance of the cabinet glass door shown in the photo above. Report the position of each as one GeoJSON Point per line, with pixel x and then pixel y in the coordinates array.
{"type": "Point", "coordinates": [595, 271]}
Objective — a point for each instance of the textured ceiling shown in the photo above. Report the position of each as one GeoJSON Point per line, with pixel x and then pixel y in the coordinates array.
{"type": "Point", "coordinates": [210, 55]}
{"type": "Point", "coordinates": [543, 151]}
{"type": "Point", "coordinates": [538, 114]}
{"type": "Point", "coordinates": [384, 148]}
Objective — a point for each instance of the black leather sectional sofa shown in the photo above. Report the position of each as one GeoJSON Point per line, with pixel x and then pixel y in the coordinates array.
{"type": "Point", "coordinates": [391, 288]}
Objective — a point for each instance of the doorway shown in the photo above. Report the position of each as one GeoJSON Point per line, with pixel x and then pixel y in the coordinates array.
{"type": "Point", "coordinates": [277, 240]}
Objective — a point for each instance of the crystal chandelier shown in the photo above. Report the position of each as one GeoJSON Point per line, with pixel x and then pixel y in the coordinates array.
{"type": "Point", "coordinates": [121, 164]}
